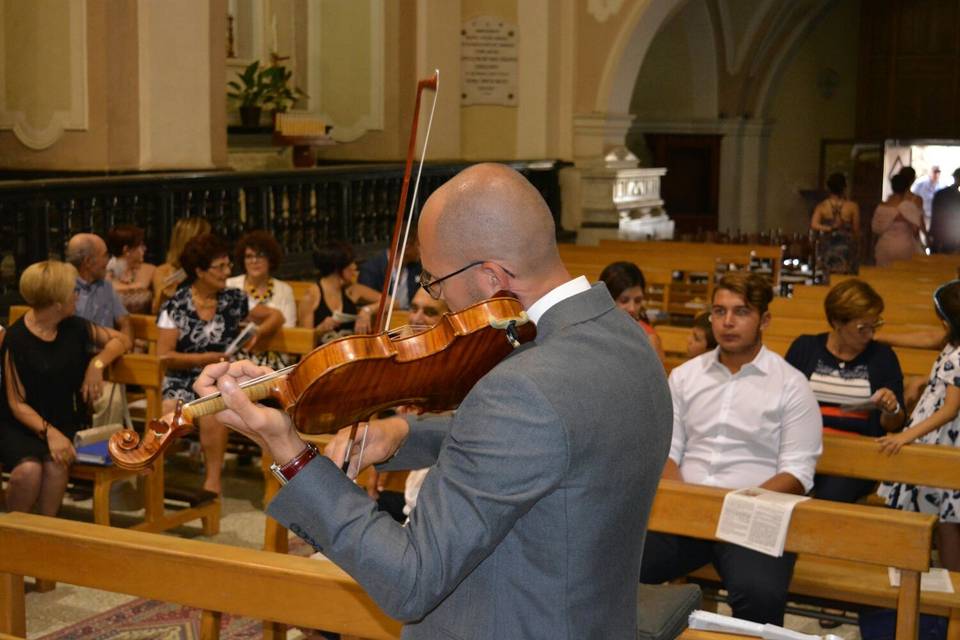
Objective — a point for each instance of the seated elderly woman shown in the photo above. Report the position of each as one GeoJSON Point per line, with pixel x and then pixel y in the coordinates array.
{"type": "Point", "coordinates": [132, 278]}
{"type": "Point", "coordinates": [627, 285]}
{"type": "Point", "coordinates": [49, 378]}
{"type": "Point", "coordinates": [260, 255]}
{"type": "Point", "coordinates": [857, 380]}
{"type": "Point", "coordinates": [195, 328]}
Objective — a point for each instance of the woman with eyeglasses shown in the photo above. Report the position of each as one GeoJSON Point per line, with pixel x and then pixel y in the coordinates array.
{"type": "Point", "coordinates": [195, 328]}
{"type": "Point", "coordinates": [132, 278]}
{"type": "Point", "coordinates": [260, 255]}
{"type": "Point", "coordinates": [857, 381]}
{"type": "Point", "coordinates": [337, 305]}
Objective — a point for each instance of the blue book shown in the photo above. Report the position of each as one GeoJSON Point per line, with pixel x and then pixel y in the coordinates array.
{"type": "Point", "coordinates": [96, 453]}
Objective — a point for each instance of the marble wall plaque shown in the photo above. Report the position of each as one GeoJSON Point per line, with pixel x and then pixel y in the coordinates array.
{"type": "Point", "coordinates": [488, 62]}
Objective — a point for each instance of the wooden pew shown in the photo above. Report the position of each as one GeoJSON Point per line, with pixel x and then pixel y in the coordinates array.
{"type": "Point", "coordinates": [316, 594]}
{"type": "Point", "coordinates": [257, 584]}
{"type": "Point", "coordinates": [838, 540]}
{"type": "Point", "coordinates": [844, 580]}
{"type": "Point", "coordinates": [922, 314]}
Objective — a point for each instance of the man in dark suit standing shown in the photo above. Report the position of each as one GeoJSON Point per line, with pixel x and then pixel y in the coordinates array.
{"type": "Point", "coordinates": [945, 220]}
{"type": "Point", "coordinates": [531, 522]}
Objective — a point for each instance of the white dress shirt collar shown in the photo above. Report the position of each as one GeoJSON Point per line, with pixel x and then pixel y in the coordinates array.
{"type": "Point", "coordinates": [760, 363]}
{"type": "Point", "coordinates": [558, 294]}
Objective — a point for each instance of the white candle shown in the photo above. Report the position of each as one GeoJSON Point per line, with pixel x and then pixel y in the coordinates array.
{"type": "Point", "coordinates": [273, 28]}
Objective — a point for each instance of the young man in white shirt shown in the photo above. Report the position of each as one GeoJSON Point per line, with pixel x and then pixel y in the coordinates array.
{"type": "Point", "coordinates": [742, 417]}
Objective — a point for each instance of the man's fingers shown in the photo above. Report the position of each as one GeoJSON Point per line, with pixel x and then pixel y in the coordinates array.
{"type": "Point", "coordinates": [206, 382]}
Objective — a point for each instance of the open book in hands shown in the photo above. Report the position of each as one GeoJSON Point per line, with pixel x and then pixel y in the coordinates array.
{"type": "Point", "coordinates": [242, 338]}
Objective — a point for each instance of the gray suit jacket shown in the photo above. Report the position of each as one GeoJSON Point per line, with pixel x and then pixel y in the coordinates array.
{"type": "Point", "coordinates": [531, 523]}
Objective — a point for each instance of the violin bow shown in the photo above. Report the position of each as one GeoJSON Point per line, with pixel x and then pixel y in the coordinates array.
{"type": "Point", "coordinates": [397, 245]}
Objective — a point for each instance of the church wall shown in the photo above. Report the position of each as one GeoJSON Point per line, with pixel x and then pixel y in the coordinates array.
{"type": "Point", "coordinates": [85, 148]}
{"type": "Point", "coordinates": [678, 77]}
{"type": "Point", "coordinates": [175, 84]}
{"type": "Point", "coordinates": [802, 115]}
{"type": "Point", "coordinates": [147, 75]}
{"type": "Point", "coordinates": [400, 74]}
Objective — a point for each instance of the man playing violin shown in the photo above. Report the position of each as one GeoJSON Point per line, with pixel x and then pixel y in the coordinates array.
{"type": "Point", "coordinates": [531, 521]}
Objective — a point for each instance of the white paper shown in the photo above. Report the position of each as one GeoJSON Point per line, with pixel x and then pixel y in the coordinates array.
{"type": "Point", "coordinates": [870, 404]}
{"type": "Point", "coordinates": [866, 405]}
{"type": "Point", "coordinates": [757, 519]}
{"type": "Point", "coordinates": [709, 621]}
{"type": "Point", "coordinates": [342, 317]}
{"type": "Point", "coordinates": [936, 579]}
{"type": "Point", "coordinates": [244, 335]}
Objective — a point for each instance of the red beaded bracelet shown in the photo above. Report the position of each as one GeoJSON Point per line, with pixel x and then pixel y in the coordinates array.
{"type": "Point", "coordinates": [285, 473]}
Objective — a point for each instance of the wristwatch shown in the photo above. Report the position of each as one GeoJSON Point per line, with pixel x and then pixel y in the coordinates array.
{"type": "Point", "coordinates": [98, 363]}
{"type": "Point", "coordinates": [285, 473]}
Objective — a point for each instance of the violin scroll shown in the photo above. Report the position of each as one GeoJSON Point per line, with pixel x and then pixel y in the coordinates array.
{"type": "Point", "coordinates": [130, 451]}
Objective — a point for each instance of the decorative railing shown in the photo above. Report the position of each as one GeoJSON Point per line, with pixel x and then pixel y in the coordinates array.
{"type": "Point", "coordinates": [302, 208]}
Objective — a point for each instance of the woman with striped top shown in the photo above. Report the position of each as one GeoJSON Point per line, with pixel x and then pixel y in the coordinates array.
{"type": "Point", "coordinates": [857, 380]}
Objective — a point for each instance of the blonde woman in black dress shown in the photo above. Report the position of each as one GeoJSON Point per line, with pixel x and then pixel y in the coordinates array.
{"type": "Point", "coordinates": [49, 378]}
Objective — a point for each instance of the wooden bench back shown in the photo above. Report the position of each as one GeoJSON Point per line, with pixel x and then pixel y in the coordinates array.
{"type": "Point", "coordinates": [259, 584]}
{"type": "Point", "coordinates": [913, 362]}
{"type": "Point", "coordinates": [831, 529]}
{"type": "Point", "coordinates": [922, 314]}
{"type": "Point", "coordinates": [860, 457]}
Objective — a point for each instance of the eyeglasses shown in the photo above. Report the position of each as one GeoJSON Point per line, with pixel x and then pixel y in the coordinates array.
{"type": "Point", "coordinates": [864, 327]}
{"type": "Point", "coordinates": [255, 256]}
{"type": "Point", "coordinates": [431, 286]}
{"type": "Point", "coordinates": [223, 266]}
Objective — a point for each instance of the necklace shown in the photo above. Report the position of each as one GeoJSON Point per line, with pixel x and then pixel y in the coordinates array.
{"type": "Point", "coordinates": [253, 291]}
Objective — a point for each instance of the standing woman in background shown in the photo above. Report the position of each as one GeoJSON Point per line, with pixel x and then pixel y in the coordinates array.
{"type": "Point", "coordinates": [627, 285]}
{"type": "Point", "coordinates": [168, 276]}
{"type": "Point", "coordinates": [132, 278]}
{"type": "Point", "coordinates": [897, 223]}
{"type": "Point", "coordinates": [838, 222]}
{"type": "Point", "coordinates": [49, 379]}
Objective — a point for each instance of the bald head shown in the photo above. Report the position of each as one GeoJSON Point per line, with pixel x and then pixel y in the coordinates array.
{"type": "Point", "coordinates": [491, 212]}
{"type": "Point", "coordinates": [88, 253]}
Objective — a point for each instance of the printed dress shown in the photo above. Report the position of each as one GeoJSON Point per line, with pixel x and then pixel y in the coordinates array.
{"type": "Point", "coordinates": [944, 503]}
{"type": "Point", "coordinates": [198, 336]}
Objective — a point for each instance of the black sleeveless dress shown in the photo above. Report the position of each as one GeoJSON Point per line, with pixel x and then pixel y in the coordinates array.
{"type": "Point", "coordinates": [322, 312]}
{"type": "Point", "coordinates": [52, 374]}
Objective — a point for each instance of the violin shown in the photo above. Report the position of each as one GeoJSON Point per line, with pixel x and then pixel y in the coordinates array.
{"type": "Point", "coordinates": [350, 380]}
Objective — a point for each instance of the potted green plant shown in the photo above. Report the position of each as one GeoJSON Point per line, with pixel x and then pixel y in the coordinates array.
{"type": "Point", "coordinates": [249, 92]}
{"type": "Point", "coordinates": [279, 93]}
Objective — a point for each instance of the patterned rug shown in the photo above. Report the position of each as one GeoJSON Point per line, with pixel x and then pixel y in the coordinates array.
{"type": "Point", "coordinates": [142, 619]}
{"type": "Point", "coordinates": [151, 620]}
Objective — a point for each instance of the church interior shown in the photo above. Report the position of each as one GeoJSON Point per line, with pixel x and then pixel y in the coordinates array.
{"type": "Point", "coordinates": [283, 150]}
